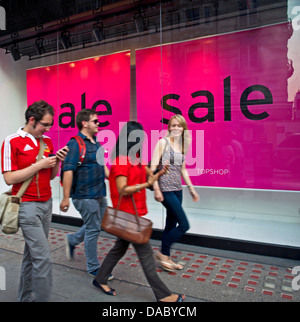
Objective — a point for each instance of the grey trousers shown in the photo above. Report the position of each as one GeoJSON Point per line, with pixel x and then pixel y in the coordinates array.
{"type": "Point", "coordinates": [36, 272]}
{"type": "Point", "coordinates": [145, 255]}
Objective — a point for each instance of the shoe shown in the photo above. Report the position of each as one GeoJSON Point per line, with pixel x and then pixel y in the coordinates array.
{"type": "Point", "coordinates": [69, 249]}
{"type": "Point", "coordinates": [95, 272]}
{"type": "Point", "coordinates": [169, 267]}
{"type": "Point", "coordinates": [178, 266]}
{"type": "Point", "coordinates": [110, 292]}
{"type": "Point", "coordinates": [180, 298]}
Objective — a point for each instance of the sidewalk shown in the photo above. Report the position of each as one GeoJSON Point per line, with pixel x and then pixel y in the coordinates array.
{"type": "Point", "coordinates": [209, 275]}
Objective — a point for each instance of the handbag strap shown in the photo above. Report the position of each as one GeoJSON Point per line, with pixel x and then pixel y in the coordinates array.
{"type": "Point", "coordinates": [163, 152]}
{"type": "Point", "coordinates": [120, 198]}
{"type": "Point", "coordinates": [26, 183]}
{"type": "Point", "coordinates": [134, 205]}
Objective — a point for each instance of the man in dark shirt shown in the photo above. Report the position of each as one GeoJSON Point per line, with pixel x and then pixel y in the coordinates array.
{"type": "Point", "coordinates": [84, 183]}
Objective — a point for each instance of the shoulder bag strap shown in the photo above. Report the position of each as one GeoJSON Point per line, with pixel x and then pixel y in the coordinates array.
{"type": "Point", "coordinates": [82, 148]}
{"type": "Point", "coordinates": [120, 198]}
{"type": "Point", "coordinates": [136, 212]}
{"type": "Point", "coordinates": [27, 182]}
{"type": "Point", "coordinates": [167, 143]}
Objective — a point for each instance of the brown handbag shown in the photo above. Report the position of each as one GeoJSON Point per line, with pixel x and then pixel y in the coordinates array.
{"type": "Point", "coordinates": [130, 227]}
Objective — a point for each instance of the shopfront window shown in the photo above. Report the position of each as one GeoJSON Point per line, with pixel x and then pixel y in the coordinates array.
{"type": "Point", "coordinates": [231, 68]}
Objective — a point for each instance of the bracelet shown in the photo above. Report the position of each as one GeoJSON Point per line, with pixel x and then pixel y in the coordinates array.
{"type": "Point", "coordinates": [149, 183]}
{"type": "Point", "coordinates": [190, 187]}
{"type": "Point", "coordinates": [138, 187]}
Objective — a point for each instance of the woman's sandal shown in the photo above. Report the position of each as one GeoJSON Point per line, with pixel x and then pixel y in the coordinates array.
{"type": "Point", "coordinates": [180, 298]}
{"type": "Point", "coordinates": [164, 265]}
{"type": "Point", "coordinates": [177, 266]}
{"type": "Point", "coordinates": [167, 266]}
{"type": "Point", "coordinates": [110, 292]}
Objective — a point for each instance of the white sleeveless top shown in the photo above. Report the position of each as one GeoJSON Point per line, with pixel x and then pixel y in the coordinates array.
{"type": "Point", "coordinates": [171, 181]}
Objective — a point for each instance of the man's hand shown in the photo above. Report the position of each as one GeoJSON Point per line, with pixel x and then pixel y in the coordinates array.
{"type": "Point", "coordinates": [65, 204]}
{"type": "Point", "coordinates": [62, 153]}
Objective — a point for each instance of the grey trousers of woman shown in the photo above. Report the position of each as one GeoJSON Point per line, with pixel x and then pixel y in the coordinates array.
{"type": "Point", "coordinates": [145, 255]}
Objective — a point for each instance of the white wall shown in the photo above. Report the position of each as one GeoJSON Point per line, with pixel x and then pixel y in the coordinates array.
{"type": "Point", "coordinates": [13, 101]}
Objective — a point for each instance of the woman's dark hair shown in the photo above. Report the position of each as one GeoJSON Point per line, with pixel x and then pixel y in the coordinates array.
{"type": "Point", "coordinates": [38, 109]}
{"type": "Point", "coordinates": [130, 141]}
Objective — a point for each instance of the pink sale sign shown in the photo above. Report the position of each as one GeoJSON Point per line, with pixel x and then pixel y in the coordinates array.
{"type": "Point", "coordinates": [232, 91]}
{"type": "Point", "coordinates": [101, 83]}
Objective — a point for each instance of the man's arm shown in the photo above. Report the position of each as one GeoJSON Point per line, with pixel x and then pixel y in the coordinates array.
{"type": "Point", "coordinates": [17, 176]}
{"type": "Point", "coordinates": [67, 185]}
{"type": "Point", "coordinates": [106, 172]}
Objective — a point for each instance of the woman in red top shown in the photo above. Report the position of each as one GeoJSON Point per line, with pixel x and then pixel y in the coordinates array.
{"type": "Point", "coordinates": [129, 174]}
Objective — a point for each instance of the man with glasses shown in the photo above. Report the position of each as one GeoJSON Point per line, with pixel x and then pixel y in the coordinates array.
{"type": "Point", "coordinates": [84, 183]}
{"type": "Point", "coordinates": [19, 153]}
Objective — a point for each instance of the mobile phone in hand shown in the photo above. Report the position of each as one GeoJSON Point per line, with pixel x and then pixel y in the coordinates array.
{"type": "Point", "coordinates": [155, 171]}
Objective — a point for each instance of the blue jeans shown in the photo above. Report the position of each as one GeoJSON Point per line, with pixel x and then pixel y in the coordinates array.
{"type": "Point", "coordinates": [176, 221]}
{"type": "Point", "coordinates": [92, 212]}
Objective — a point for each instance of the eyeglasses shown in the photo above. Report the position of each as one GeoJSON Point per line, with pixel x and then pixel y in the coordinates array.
{"type": "Point", "coordinates": [46, 124]}
{"type": "Point", "coordinates": [95, 121]}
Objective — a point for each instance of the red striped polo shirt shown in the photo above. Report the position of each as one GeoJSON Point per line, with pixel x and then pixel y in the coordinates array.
{"type": "Point", "coordinates": [19, 151]}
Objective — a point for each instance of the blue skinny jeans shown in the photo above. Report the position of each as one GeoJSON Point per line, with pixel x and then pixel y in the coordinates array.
{"type": "Point", "coordinates": [176, 222]}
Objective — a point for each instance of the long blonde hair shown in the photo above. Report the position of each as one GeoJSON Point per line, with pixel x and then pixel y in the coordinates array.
{"type": "Point", "coordinates": [186, 138]}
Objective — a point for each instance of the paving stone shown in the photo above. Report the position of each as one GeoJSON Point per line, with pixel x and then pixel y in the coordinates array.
{"type": "Point", "coordinates": [207, 274]}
